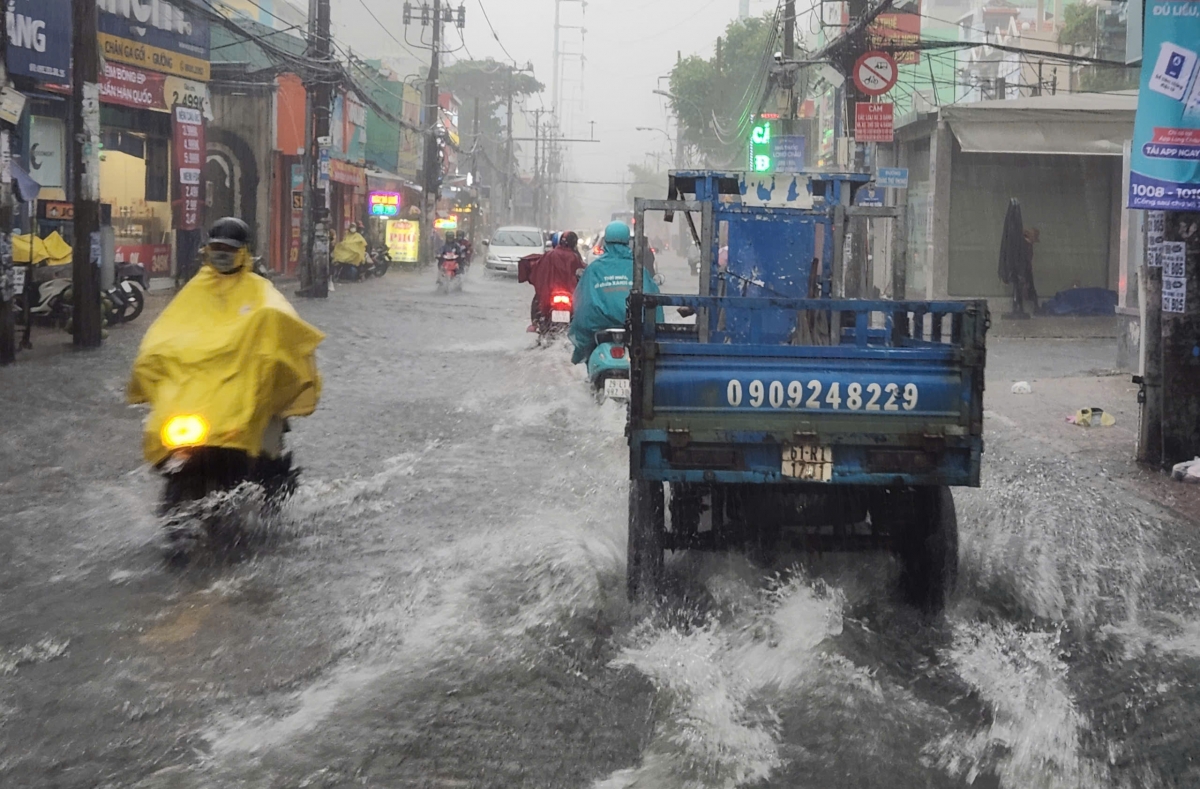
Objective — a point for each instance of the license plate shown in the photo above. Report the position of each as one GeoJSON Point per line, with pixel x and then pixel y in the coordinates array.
{"type": "Point", "coordinates": [512, 267]}
{"type": "Point", "coordinates": [560, 316]}
{"type": "Point", "coordinates": [808, 462]}
{"type": "Point", "coordinates": [617, 388]}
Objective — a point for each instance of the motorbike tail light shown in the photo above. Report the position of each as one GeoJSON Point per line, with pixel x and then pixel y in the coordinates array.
{"type": "Point", "coordinates": [188, 430]}
{"type": "Point", "coordinates": [561, 300]}
{"type": "Point", "coordinates": [618, 352]}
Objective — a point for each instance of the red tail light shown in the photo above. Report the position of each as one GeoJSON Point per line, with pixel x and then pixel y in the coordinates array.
{"type": "Point", "coordinates": [561, 300]}
{"type": "Point", "coordinates": [618, 352]}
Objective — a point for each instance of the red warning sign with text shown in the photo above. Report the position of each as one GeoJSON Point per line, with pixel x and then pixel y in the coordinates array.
{"type": "Point", "coordinates": [873, 122]}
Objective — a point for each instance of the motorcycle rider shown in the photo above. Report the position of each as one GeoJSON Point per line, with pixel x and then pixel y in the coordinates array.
{"type": "Point", "coordinates": [557, 271]}
{"type": "Point", "coordinates": [228, 246]}
{"type": "Point", "coordinates": [351, 250]}
{"type": "Point", "coordinates": [600, 297]}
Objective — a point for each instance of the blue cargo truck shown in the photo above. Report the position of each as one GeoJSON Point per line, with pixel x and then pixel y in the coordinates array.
{"type": "Point", "coordinates": [768, 411]}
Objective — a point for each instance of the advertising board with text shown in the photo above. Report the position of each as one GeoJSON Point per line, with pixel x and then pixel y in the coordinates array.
{"type": "Point", "coordinates": [189, 165]}
{"type": "Point", "coordinates": [1165, 167]}
{"type": "Point", "coordinates": [402, 240]}
{"type": "Point", "coordinates": [39, 39]}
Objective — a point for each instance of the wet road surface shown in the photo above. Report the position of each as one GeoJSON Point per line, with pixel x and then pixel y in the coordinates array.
{"type": "Point", "coordinates": [442, 603]}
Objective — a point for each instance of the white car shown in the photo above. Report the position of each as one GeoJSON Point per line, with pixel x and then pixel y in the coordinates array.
{"type": "Point", "coordinates": [509, 244]}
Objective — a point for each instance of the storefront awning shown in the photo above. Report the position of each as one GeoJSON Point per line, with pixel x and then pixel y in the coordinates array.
{"type": "Point", "coordinates": [1075, 125]}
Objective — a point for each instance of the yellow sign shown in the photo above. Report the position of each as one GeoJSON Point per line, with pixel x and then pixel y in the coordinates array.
{"type": "Point", "coordinates": [446, 223]}
{"type": "Point", "coordinates": [121, 50]}
{"type": "Point", "coordinates": [402, 240]}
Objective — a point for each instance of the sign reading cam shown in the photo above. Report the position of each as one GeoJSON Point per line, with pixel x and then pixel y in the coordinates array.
{"type": "Point", "coordinates": [1165, 169]}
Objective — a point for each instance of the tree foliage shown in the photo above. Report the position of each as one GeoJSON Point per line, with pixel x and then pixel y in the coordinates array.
{"type": "Point", "coordinates": [722, 87]}
{"type": "Point", "coordinates": [647, 183]}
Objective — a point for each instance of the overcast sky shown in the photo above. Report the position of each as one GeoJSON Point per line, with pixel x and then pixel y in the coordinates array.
{"type": "Point", "coordinates": [629, 44]}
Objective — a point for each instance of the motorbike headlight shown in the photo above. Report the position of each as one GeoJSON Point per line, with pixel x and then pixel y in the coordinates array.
{"type": "Point", "coordinates": [188, 430]}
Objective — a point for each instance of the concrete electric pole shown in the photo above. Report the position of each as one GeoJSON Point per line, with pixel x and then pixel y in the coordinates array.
{"type": "Point", "coordinates": [85, 175]}
{"type": "Point", "coordinates": [314, 269]}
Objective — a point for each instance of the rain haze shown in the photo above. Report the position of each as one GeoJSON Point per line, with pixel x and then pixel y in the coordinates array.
{"type": "Point", "coordinates": [782, 394]}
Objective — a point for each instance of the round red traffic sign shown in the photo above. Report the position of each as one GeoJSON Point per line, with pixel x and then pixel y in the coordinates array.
{"type": "Point", "coordinates": [875, 73]}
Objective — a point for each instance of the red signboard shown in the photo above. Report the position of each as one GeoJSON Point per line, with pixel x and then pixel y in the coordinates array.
{"type": "Point", "coordinates": [189, 166]}
{"type": "Point", "coordinates": [346, 173]}
{"type": "Point", "coordinates": [132, 87]}
{"type": "Point", "coordinates": [899, 27]}
{"type": "Point", "coordinates": [873, 122]}
{"type": "Point", "coordinates": [155, 257]}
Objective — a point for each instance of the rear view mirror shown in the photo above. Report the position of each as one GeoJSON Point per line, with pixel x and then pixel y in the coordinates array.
{"type": "Point", "coordinates": [487, 243]}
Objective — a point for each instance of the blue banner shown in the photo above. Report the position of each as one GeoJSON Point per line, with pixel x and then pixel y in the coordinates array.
{"type": "Point", "coordinates": [1165, 168]}
{"type": "Point", "coordinates": [39, 40]}
{"type": "Point", "coordinates": [155, 23]}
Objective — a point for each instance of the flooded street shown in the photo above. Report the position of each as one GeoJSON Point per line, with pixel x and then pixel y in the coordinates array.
{"type": "Point", "coordinates": [442, 603]}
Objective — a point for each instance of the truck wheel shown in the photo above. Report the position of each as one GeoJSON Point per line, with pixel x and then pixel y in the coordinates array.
{"type": "Point", "coordinates": [645, 555]}
{"type": "Point", "coordinates": [928, 549]}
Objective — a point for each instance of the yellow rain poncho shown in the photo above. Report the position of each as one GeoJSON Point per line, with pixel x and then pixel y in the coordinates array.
{"type": "Point", "coordinates": [352, 250]}
{"type": "Point", "coordinates": [232, 350]}
{"type": "Point", "coordinates": [52, 249]}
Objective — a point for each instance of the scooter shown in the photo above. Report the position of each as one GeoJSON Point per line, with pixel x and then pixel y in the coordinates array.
{"type": "Point", "coordinates": [449, 272]}
{"type": "Point", "coordinates": [51, 302]}
{"type": "Point", "coordinates": [199, 505]}
{"type": "Point", "coordinates": [552, 326]}
{"type": "Point", "coordinates": [608, 366]}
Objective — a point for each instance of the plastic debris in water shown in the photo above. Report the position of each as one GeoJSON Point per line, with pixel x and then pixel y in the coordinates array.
{"type": "Point", "coordinates": [1092, 417]}
{"type": "Point", "coordinates": [1187, 471]}
{"type": "Point", "coordinates": [1022, 387]}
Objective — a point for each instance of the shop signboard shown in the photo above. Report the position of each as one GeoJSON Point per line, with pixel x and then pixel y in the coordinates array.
{"type": "Point", "coordinates": [39, 39]}
{"type": "Point", "coordinates": [346, 173]}
{"type": "Point", "coordinates": [788, 150]}
{"type": "Point", "coordinates": [899, 26]}
{"type": "Point", "coordinates": [383, 203]}
{"type": "Point", "coordinates": [155, 35]}
{"type": "Point", "coordinates": [189, 165]}
{"type": "Point", "coordinates": [129, 86]}
{"type": "Point", "coordinates": [402, 240]}
{"type": "Point", "coordinates": [1165, 168]}
{"type": "Point", "coordinates": [446, 223]}
{"type": "Point", "coordinates": [155, 257]}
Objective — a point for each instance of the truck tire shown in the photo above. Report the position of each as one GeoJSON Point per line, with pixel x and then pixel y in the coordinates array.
{"type": "Point", "coordinates": [645, 554]}
{"type": "Point", "coordinates": [928, 549]}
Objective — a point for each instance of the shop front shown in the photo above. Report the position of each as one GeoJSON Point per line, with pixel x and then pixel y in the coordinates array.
{"type": "Point", "coordinates": [153, 116]}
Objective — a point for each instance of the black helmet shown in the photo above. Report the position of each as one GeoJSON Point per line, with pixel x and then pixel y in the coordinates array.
{"type": "Point", "coordinates": [230, 231]}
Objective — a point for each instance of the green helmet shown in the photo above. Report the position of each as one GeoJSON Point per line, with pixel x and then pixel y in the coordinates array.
{"type": "Point", "coordinates": [616, 233]}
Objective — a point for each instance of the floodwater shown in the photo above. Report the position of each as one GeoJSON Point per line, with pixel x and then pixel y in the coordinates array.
{"type": "Point", "coordinates": [442, 602]}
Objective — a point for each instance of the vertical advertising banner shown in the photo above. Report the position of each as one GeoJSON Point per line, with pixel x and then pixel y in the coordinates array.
{"type": "Point", "coordinates": [189, 166]}
{"type": "Point", "coordinates": [1165, 169]}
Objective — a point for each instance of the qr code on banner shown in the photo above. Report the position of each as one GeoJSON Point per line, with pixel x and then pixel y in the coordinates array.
{"type": "Point", "coordinates": [1174, 257]}
{"type": "Point", "coordinates": [1156, 222]}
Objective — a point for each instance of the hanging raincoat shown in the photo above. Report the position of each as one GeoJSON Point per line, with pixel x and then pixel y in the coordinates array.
{"type": "Point", "coordinates": [600, 297]}
{"type": "Point", "coordinates": [230, 349]}
{"type": "Point", "coordinates": [351, 250]}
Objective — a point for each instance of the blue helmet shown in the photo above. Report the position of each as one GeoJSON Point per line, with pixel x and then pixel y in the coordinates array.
{"type": "Point", "coordinates": [616, 233]}
{"type": "Point", "coordinates": [554, 238]}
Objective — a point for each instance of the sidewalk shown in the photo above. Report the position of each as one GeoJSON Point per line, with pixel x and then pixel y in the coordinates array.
{"type": "Point", "coordinates": [1041, 418]}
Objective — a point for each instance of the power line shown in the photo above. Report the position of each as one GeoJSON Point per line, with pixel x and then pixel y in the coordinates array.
{"type": "Point", "coordinates": [383, 27]}
{"type": "Point", "coordinates": [495, 35]}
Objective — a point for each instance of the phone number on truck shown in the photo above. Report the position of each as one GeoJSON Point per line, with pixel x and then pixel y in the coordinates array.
{"type": "Point", "coordinates": [797, 394]}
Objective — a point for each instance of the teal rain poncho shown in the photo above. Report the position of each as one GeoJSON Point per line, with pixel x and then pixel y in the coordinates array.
{"type": "Point", "coordinates": [600, 297]}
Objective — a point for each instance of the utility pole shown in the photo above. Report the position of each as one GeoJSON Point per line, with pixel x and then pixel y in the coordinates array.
{"type": "Point", "coordinates": [475, 172]}
{"type": "Point", "coordinates": [789, 54]}
{"type": "Point", "coordinates": [314, 269]}
{"type": "Point", "coordinates": [508, 152]}
{"type": "Point", "coordinates": [554, 89]}
{"type": "Point", "coordinates": [85, 175]}
{"type": "Point", "coordinates": [537, 168]}
{"type": "Point", "coordinates": [1181, 339]}
{"type": "Point", "coordinates": [433, 167]}
{"type": "Point", "coordinates": [1150, 434]}
{"type": "Point", "coordinates": [8, 322]}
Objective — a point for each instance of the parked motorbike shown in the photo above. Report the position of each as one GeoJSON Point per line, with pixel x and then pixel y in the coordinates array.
{"type": "Point", "coordinates": [126, 298]}
{"type": "Point", "coordinates": [449, 272]}
{"type": "Point", "coordinates": [378, 260]}
{"type": "Point", "coordinates": [51, 302]}
{"type": "Point", "coordinates": [608, 366]}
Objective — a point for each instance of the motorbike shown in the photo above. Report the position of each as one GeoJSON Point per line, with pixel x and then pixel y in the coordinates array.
{"type": "Point", "coordinates": [126, 298]}
{"type": "Point", "coordinates": [51, 302]}
{"type": "Point", "coordinates": [449, 272]}
{"type": "Point", "coordinates": [554, 325]}
{"type": "Point", "coordinates": [693, 260]}
{"type": "Point", "coordinates": [378, 261]}
{"type": "Point", "coordinates": [222, 381]}
{"type": "Point", "coordinates": [608, 366]}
